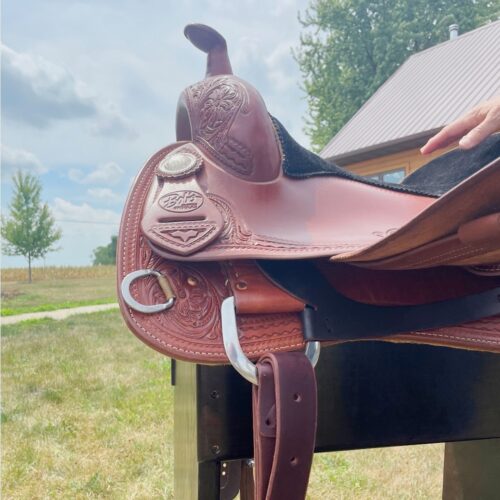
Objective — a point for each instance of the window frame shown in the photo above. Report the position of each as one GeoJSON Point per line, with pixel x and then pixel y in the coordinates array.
{"type": "Point", "coordinates": [379, 176]}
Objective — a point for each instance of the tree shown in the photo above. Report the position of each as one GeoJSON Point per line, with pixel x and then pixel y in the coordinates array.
{"type": "Point", "coordinates": [350, 47]}
{"type": "Point", "coordinates": [105, 255]}
{"type": "Point", "coordinates": [30, 229]}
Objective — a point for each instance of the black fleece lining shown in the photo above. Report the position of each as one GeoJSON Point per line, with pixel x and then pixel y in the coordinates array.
{"type": "Point", "coordinates": [433, 179]}
{"type": "Point", "coordinates": [448, 170]}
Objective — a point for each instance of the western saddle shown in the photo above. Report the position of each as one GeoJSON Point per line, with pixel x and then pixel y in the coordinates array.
{"type": "Point", "coordinates": [238, 245]}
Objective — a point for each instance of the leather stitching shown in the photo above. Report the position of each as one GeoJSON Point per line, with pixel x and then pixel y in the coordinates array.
{"type": "Point", "coordinates": [455, 337]}
{"type": "Point", "coordinates": [466, 251]}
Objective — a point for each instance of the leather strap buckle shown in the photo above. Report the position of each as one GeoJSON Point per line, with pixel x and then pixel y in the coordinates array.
{"type": "Point", "coordinates": [233, 348]}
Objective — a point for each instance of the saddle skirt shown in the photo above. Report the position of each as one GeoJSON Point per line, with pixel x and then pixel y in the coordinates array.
{"type": "Point", "coordinates": [236, 189]}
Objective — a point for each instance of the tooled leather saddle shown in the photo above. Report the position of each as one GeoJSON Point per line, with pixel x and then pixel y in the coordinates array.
{"type": "Point", "coordinates": [238, 245]}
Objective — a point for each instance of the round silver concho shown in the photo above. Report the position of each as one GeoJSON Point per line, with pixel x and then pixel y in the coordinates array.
{"type": "Point", "coordinates": [178, 164]}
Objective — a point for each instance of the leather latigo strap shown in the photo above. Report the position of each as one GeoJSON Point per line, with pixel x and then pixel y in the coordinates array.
{"type": "Point", "coordinates": [285, 410]}
{"type": "Point", "coordinates": [332, 316]}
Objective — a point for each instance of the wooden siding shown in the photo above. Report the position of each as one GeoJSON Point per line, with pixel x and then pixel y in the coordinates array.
{"type": "Point", "coordinates": [410, 160]}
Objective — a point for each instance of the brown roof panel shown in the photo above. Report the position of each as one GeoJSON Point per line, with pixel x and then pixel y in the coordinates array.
{"type": "Point", "coordinates": [429, 90]}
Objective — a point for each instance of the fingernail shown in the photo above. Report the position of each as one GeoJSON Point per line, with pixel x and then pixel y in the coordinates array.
{"type": "Point", "coordinates": [464, 141]}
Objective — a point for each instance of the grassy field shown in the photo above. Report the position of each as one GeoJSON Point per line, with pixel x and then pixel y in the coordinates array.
{"type": "Point", "coordinates": [57, 288]}
{"type": "Point", "coordinates": [87, 413]}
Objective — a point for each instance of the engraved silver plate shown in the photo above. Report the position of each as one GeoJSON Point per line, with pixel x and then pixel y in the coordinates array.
{"type": "Point", "coordinates": [178, 164]}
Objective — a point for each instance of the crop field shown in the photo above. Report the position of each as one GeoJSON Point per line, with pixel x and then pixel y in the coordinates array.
{"type": "Point", "coordinates": [15, 274]}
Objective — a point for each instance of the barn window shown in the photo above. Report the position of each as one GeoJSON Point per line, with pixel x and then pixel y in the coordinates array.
{"type": "Point", "coordinates": [393, 176]}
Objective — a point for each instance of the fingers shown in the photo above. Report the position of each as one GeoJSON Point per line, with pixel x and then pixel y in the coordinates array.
{"type": "Point", "coordinates": [472, 128]}
{"type": "Point", "coordinates": [452, 132]}
{"type": "Point", "coordinates": [487, 127]}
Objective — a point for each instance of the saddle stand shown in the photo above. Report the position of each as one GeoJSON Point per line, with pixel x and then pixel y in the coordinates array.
{"type": "Point", "coordinates": [237, 245]}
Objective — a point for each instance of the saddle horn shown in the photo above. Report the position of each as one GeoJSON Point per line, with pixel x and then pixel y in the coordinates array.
{"type": "Point", "coordinates": [225, 116]}
{"type": "Point", "coordinates": [213, 44]}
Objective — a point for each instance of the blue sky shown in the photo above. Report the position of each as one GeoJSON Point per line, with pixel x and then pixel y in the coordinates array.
{"type": "Point", "coordinates": [89, 90]}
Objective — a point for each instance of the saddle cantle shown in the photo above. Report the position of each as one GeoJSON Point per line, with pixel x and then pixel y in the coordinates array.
{"type": "Point", "coordinates": [237, 228]}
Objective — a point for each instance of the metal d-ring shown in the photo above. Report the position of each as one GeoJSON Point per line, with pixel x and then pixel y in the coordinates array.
{"type": "Point", "coordinates": [148, 309]}
{"type": "Point", "coordinates": [233, 348]}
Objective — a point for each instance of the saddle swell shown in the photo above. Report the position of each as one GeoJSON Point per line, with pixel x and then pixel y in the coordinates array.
{"type": "Point", "coordinates": [317, 217]}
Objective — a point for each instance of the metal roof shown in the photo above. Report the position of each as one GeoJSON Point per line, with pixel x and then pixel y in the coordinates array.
{"type": "Point", "coordinates": [428, 91]}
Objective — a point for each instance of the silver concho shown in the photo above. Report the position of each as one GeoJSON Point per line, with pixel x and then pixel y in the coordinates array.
{"type": "Point", "coordinates": [178, 164]}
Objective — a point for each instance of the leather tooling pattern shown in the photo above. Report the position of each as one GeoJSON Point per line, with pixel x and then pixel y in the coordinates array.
{"type": "Point", "coordinates": [219, 100]}
{"type": "Point", "coordinates": [192, 328]}
{"type": "Point", "coordinates": [185, 237]}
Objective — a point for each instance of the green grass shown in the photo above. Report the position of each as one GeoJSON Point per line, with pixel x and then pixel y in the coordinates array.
{"type": "Point", "coordinates": [54, 307]}
{"type": "Point", "coordinates": [402, 473]}
{"type": "Point", "coordinates": [49, 295]}
{"type": "Point", "coordinates": [88, 413]}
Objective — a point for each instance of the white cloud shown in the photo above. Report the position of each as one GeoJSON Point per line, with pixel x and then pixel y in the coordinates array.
{"type": "Point", "coordinates": [280, 72]}
{"type": "Point", "coordinates": [104, 194]}
{"type": "Point", "coordinates": [38, 92]}
{"type": "Point", "coordinates": [84, 217]}
{"type": "Point", "coordinates": [84, 228]}
{"type": "Point", "coordinates": [107, 173]}
{"type": "Point", "coordinates": [282, 7]}
{"type": "Point", "coordinates": [19, 159]}
{"type": "Point", "coordinates": [111, 123]}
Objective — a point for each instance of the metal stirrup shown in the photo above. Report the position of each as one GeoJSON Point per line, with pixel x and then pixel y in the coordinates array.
{"type": "Point", "coordinates": [233, 348]}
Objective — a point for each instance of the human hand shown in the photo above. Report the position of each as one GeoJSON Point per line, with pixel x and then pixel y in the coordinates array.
{"type": "Point", "coordinates": [472, 128]}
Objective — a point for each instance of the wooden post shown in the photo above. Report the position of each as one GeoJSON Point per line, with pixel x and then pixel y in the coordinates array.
{"type": "Point", "coordinates": [195, 478]}
{"type": "Point", "coordinates": [472, 470]}
{"type": "Point", "coordinates": [186, 475]}
{"type": "Point", "coordinates": [370, 394]}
